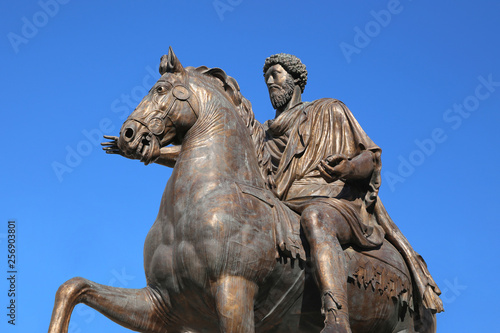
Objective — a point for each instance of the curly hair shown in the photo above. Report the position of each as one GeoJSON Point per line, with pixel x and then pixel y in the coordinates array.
{"type": "Point", "coordinates": [291, 64]}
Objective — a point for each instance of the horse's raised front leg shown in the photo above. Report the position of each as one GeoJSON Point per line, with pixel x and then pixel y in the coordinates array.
{"type": "Point", "coordinates": [137, 309]}
{"type": "Point", "coordinates": [234, 297]}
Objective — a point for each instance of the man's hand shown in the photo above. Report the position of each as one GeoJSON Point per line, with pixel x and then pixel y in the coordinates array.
{"type": "Point", "coordinates": [338, 166]}
{"type": "Point", "coordinates": [335, 167]}
{"type": "Point", "coordinates": [111, 147]}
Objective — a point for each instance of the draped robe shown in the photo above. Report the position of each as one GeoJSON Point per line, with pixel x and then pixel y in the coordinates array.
{"type": "Point", "coordinates": [297, 140]}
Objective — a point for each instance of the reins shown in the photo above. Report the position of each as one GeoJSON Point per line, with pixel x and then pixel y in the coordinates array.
{"type": "Point", "coordinates": [155, 122]}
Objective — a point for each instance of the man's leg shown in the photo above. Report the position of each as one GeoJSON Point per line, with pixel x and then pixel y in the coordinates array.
{"type": "Point", "coordinates": [325, 229]}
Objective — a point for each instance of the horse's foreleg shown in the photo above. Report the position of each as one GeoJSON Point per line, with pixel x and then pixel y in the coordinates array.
{"type": "Point", "coordinates": [234, 297]}
{"type": "Point", "coordinates": [137, 309]}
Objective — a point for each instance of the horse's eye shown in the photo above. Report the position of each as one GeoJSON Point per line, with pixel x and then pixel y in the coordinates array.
{"type": "Point", "coordinates": [160, 89]}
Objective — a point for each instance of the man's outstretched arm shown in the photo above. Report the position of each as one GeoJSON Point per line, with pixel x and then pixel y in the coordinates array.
{"type": "Point", "coordinates": [168, 155]}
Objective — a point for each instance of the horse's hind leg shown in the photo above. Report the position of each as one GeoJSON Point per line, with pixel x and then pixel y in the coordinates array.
{"type": "Point", "coordinates": [234, 298]}
{"type": "Point", "coordinates": [136, 309]}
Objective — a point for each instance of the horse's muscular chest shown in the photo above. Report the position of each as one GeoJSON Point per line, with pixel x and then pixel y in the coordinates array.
{"type": "Point", "coordinates": [200, 229]}
{"type": "Point", "coordinates": [187, 240]}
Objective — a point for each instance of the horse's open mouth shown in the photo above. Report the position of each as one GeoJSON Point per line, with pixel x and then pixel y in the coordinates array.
{"type": "Point", "coordinates": [138, 142]}
{"type": "Point", "coordinates": [148, 148]}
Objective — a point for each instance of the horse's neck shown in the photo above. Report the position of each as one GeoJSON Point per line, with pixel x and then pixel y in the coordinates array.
{"type": "Point", "coordinates": [219, 148]}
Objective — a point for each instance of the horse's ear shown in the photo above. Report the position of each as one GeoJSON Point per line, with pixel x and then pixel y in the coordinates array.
{"type": "Point", "coordinates": [170, 64]}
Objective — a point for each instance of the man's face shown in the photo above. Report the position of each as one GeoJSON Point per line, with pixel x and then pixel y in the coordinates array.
{"type": "Point", "coordinates": [280, 85]}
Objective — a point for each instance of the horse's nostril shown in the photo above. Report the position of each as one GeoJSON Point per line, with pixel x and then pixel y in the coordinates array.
{"type": "Point", "coordinates": [129, 133]}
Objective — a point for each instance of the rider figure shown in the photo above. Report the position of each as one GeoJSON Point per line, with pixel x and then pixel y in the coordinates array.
{"type": "Point", "coordinates": [324, 167]}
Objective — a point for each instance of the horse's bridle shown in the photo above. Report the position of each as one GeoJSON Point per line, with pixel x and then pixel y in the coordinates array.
{"type": "Point", "coordinates": [155, 122]}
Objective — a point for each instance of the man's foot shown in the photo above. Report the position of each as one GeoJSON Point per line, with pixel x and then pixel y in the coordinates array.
{"type": "Point", "coordinates": [336, 314]}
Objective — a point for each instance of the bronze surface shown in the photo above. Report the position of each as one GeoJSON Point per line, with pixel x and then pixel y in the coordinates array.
{"type": "Point", "coordinates": [262, 227]}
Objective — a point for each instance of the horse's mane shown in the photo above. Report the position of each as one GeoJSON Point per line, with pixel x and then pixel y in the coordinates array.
{"type": "Point", "coordinates": [244, 108]}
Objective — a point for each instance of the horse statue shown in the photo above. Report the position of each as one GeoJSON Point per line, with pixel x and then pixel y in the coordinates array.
{"type": "Point", "coordinates": [223, 255]}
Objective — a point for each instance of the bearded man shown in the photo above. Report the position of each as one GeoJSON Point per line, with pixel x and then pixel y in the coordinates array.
{"type": "Point", "coordinates": [324, 166]}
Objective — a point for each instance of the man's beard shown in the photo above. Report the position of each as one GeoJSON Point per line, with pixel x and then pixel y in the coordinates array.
{"type": "Point", "coordinates": [281, 97]}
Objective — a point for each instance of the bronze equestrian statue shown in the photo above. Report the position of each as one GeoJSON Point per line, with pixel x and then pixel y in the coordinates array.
{"type": "Point", "coordinates": [261, 228]}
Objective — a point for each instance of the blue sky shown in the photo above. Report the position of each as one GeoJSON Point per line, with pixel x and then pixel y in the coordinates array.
{"type": "Point", "coordinates": [421, 77]}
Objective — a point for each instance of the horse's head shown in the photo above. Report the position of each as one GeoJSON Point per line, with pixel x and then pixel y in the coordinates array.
{"type": "Point", "coordinates": [164, 115]}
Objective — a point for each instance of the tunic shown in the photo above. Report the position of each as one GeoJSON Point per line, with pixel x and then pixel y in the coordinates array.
{"type": "Point", "coordinates": [297, 140]}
